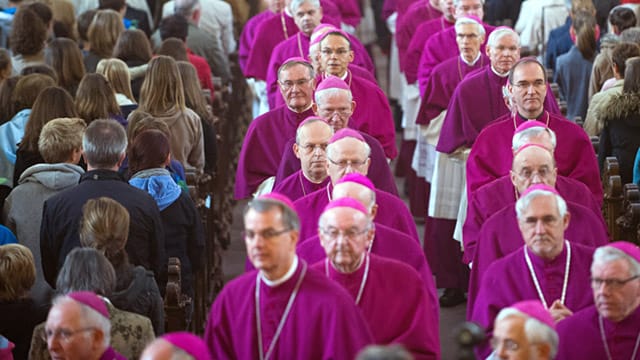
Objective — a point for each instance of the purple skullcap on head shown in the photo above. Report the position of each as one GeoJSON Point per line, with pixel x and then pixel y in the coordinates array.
{"type": "Point", "coordinates": [311, 118]}
{"type": "Point", "coordinates": [628, 248]}
{"type": "Point", "coordinates": [471, 17]}
{"type": "Point", "coordinates": [534, 309]}
{"type": "Point", "coordinates": [190, 343]}
{"type": "Point", "coordinates": [332, 82]}
{"type": "Point", "coordinates": [296, 59]}
{"type": "Point", "coordinates": [336, 31]}
{"type": "Point", "coordinates": [358, 179]}
{"type": "Point", "coordinates": [543, 187]}
{"type": "Point", "coordinates": [319, 31]}
{"type": "Point", "coordinates": [91, 300]}
{"type": "Point", "coordinates": [280, 198]}
{"type": "Point", "coordinates": [346, 202]}
{"type": "Point", "coordinates": [528, 125]}
{"type": "Point", "coordinates": [527, 146]}
{"type": "Point", "coordinates": [344, 133]}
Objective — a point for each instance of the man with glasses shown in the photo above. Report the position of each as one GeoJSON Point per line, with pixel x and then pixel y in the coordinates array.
{"type": "Point", "coordinates": [348, 153]}
{"type": "Point", "coordinates": [547, 268]}
{"type": "Point", "coordinates": [346, 232]}
{"type": "Point", "coordinates": [78, 328]}
{"type": "Point", "coordinates": [611, 328]}
{"type": "Point", "coordinates": [334, 104]}
{"type": "Point", "coordinates": [267, 134]}
{"type": "Point", "coordinates": [491, 157]}
{"type": "Point", "coordinates": [284, 309]}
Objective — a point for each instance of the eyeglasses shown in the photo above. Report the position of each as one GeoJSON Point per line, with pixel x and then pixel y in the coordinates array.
{"type": "Point", "coordinates": [596, 283]}
{"type": "Point", "coordinates": [354, 164]}
{"type": "Point", "coordinates": [64, 335]}
{"type": "Point", "coordinates": [525, 85]}
{"type": "Point", "coordinates": [339, 52]}
{"type": "Point", "coordinates": [468, 36]}
{"type": "Point", "coordinates": [528, 174]}
{"type": "Point", "coordinates": [265, 234]}
{"type": "Point", "coordinates": [549, 220]}
{"type": "Point", "coordinates": [328, 114]}
{"type": "Point", "coordinates": [288, 84]}
{"type": "Point", "coordinates": [311, 148]}
{"type": "Point", "coordinates": [506, 344]}
{"type": "Point", "coordinates": [349, 234]}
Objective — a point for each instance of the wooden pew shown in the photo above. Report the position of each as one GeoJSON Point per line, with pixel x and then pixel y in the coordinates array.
{"type": "Point", "coordinates": [628, 222]}
{"type": "Point", "coordinates": [176, 303]}
{"type": "Point", "coordinates": [613, 196]}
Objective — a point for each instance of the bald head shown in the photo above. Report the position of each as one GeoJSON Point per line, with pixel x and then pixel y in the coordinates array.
{"type": "Point", "coordinates": [161, 349]}
{"type": "Point", "coordinates": [359, 192]}
{"type": "Point", "coordinates": [533, 165]}
{"type": "Point", "coordinates": [312, 139]}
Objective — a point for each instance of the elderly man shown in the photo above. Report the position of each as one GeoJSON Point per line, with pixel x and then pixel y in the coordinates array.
{"type": "Point", "coordinates": [104, 144]}
{"type": "Point", "coordinates": [346, 232]}
{"type": "Point", "coordinates": [490, 157]}
{"type": "Point", "coordinates": [265, 140]}
{"type": "Point", "coordinates": [78, 328]}
{"type": "Point", "coordinates": [524, 330]}
{"type": "Point", "coordinates": [335, 104]}
{"type": "Point", "coordinates": [373, 111]}
{"type": "Point", "coordinates": [349, 153]}
{"type": "Point", "coordinates": [178, 345]}
{"type": "Point", "coordinates": [288, 297]}
{"type": "Point", "coordinates": [547, 268]}
{"type": "Point", "coordinates": [610, 328]}
{"type": "Point", "coordinates": [312, 138]}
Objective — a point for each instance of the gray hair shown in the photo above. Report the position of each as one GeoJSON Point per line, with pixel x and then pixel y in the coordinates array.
{"type": "Point", "coordinates": [90, 318]}
{"type": "Point", "coordinates": [524, 137]}
{"type": "Point", "coordinates": [295, 4]}
{"type": "Point", "coordinates": [384, 352]}
{"type": "Point", "coordinates": [290, 64]}
{"type": "Point", "coordinates": [290, 218]}
{"type": "Point", "coordinates": [185, 7]}
{"type": "Point", "coordinates": [536, 331]}
{"type": "Point", "coordinates": [323, 219]}
{"type": "Point", "coordinates": [309, 122]}
{"type": "Point", "coordinates": [468, 21]}
{"type": "Point", "coordinates": [456, 2]}
{"type": "Point", "coordinates": [331, 148]}
{"type": "Point", "coordinates": [606, 254]}
{"type": "Point", "coordinates": [336, 32]}
{"type": "Point", "coordinates": [371, 194]}
{"type": "Point", "coordinates": [86, 269]}
{"type": "Point", "coordinates": [104, 142]}
{"type": "Point", "coordinates": [523, 203]}
{"type": "Point", "coordinates": [325, 93]}
{"type": "Point", "coordinates": [180, 354]}
{"type": "Point", "coordinates": [498, 34]}
{"type": "Point", "coordinates": [631, 35]}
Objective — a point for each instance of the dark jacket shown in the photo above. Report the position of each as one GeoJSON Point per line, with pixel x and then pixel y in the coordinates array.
{"type": "Point", "coordinates": [18, 318]}
{"type": "Point", "coordinates": [25, 159]}
{"type": "Point", "coordinates": [61, 215]}
{"type": "Point", "coordinates": [621, 134]}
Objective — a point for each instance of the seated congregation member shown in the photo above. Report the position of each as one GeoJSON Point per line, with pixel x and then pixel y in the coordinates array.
{"type": "Point", "coordinates": [96, 99]}
{"type": "Point", "coordinates": [78, 327]}
{"type": "Point", "coordinates": [536, 19]}
{"type": "Point", "coordinates": [267, 135]}
{"type": "Point", "coordinates": [524, 330]}
{"type": "Point", "coordinates": [310, 148]}
{"type": "Point", "coordinates": [346, 232]}
{"type": "Point", "coordinates": [490, 157]}
{"type": "Point", "coordinates": [64, 56]}
{"type": "Point", "coordinates": [184, 236]}
{"type": "Point", "coordinates": [162, 96]}
{"type": "Point", "coordinates": [117, 74]}
{"type": "Point", "coordinates": [608, 329]}
{"type": "Point", "coordinates": [134, 49]}
{"type": "Point", "coordinates": [51, 103]}
{"type": "Point", "coordinates": [60, 144]}
{"type": "Point", "coordinates": [104, 144]}
{"type": "Point", "coordinates": [86, 269]}
{"type": "Point", "coordinates": [348, 153]}
{"type": "Point", "coordinates": [19, 311]}
{"type": "Point", "coordinates": [334, 103]}
{"type": "Point", "coordinates": [620, 136]}
{"type": "Point", "coordinates": [6, 236]}
{"type": "Point", "coordinates": [104, 226]}
{"type": "Point", "coordinates": [177, 345]}
{"type": "Point", "coordinates": [266, 313]}
{"type": "Point", "coordinates": [102, 34]}
{"type": "Point", "coordinates": [593, 123]}
{"type": "Point", "coordinates": [373, 113]}
{"type": "Point", "coordinates": [178, 50]}
{"type": "Point", "coordinates": [547, 268]}
{"type": "Point", "coordinates": [27, 39]}
{"type": "Point", "coordinates": [195, 100]}
{"type": "Point", "coordinates": [11, 133]}
{"type": "Point", "coordinates": [7, 107]}
{"type": "Point", "coordinates": [132, 16]}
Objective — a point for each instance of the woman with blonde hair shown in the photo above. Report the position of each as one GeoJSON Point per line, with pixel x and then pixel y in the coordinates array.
{"type": "Point", "coordinates": [65, 57]}
{"type": "Point", "coordinates": [96, 100]}
{"type": "Point", "coordinates": [117, 74]}
{"type": "Point", "coordinates": [103, 33]}
{"type": "Point", "coordinates": [162, 96]}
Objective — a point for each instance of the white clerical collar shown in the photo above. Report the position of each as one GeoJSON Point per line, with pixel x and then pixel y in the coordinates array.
{"type": "Point", "coordinates": [470, 63]}
{"type": "Point", "coordinates": [285, 277]}
{"type": "Point", "coordinates": [499, 74]}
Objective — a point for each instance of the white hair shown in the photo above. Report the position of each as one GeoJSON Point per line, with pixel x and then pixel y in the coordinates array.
{"type": "Point", "coordinates": [536, 331]}
{"type": "Point", "coordinates": [523, 203]}
{"type": "Point", "coordinates": [498, 34]}
{"type": "Point", "coordinates": [331, 148]}
{"type": "Point", "coordinates": [468, 21]}
{"type": "Point", "coordinates": [322, 94]}
{"type": "Point", "coordinates": [295, 4]}
{"type": "Point", "coordinates": [456, 2]}
{"type": "Point", "coordinates": [90, 317]}
{"type": "Point", "coordinates": [606, 254]}
{"type": "Point", "coordinates": [524, 137]}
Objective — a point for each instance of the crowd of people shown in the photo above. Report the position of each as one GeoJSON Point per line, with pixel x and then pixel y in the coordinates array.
{"type": "Point", "coordinates": [106, 109]}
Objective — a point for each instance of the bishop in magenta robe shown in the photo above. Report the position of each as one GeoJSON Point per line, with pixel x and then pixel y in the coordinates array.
{"type": "Point", "coordinates": [418, 13]}
{"type": "Point", "coordinates": [248, 34]}
{"type": "Point", "coordinates": [398, 312]}
{"type": "Point", "coordinates": [510, 280]}
{"type": "Point", "coordinates": [338, 332]}
{"type": "Point", "coordinates": [409, 64]}
{"type": "Point", "coordinates": [297, 185]}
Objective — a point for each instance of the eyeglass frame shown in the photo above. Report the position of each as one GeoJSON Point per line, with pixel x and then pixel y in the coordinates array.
{"type": "Point", "coordinates": [349, 234]}
{"type": "Point", "coordinates": [596, 283]}
{"type": "Point", "coordinates": [266, 234]}
{"type": "Point", "coordinates": [64, 335]}
{"type": "Point", "coordinates": [289, 84]}
{"type": "Point", "coordinates": [347, 163]}
{"type": "Point", "coordinates": [311, 148]}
